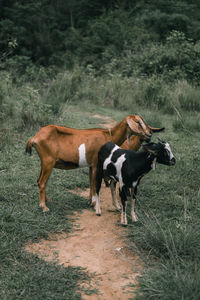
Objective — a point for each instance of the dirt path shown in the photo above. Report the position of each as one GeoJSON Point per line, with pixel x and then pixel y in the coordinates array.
{"type": "Point", "coordinates": [97, 244]}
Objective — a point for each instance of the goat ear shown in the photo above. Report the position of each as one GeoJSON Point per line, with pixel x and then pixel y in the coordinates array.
{"type": "Point", "coordinates": [132, 124]}
{"type": "Point", "coordinates": [151, 147]}
{"type": "Point", "coordinates": [153, 129]}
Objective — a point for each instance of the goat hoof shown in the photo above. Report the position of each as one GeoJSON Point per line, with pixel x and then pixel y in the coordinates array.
{"type": "Point", "coordinates": [45, 209]}
{"type": "Point", "coordinates": [118, 208]}
{"type": "Point", "coordinates": [98, 215]}
{"type": "Point", "coordinates": [135, 221]}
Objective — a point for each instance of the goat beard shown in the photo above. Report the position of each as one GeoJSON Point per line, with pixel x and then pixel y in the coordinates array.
{"type": "Point", "coordinates": [128, 138]}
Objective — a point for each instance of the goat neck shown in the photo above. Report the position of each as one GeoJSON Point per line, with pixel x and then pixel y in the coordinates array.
{"type": "Point", "coordinates": [134, 143]}
{"type": "Point", "coordinates": [119, 132]}
{"type": "Point", "coordinates": [147, 162]}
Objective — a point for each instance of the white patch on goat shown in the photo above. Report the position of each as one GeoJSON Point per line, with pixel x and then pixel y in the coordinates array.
{"type": "Point", "coordinates": [108, 159]}
{"type": "Point", "coordinates": [153, 165]}
{"type": "Point", "coordinates": [94, 199]}
{"type": "Point", "coordinates": [167, 147]}
{"type": "Point", "coordinates": [82, 156]}
{"type": "Point", "coordinates": [134, 183]}
{"type": "Point", "coordinates": [118, 166]}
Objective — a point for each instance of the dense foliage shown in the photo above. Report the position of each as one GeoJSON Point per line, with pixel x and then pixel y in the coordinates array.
{"type": "Point", "coordinates": [134, 37]}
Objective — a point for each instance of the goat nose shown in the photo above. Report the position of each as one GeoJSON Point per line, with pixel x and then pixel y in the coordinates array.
{"type": "Point", "coordinates": [173, 161]}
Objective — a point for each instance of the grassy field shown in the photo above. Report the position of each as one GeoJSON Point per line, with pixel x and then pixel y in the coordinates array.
{"type": "Point", "coordinates": [167, 235]}
{"type": "Point", "coordinates": [24, 276]}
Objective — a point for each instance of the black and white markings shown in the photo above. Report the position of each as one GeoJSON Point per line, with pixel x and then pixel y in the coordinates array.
{"type": "Point", "coordinates": [128, 167]}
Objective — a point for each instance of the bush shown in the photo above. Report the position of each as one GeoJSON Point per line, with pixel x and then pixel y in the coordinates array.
{"type": "Point", "coordinates": [63, 88]}
{"type": "Point", "coordinates": [174, 59]}
{"type": "Point", "coordinates": [20, 108]}
{"type": "Point", "coordinates": [33, 112]}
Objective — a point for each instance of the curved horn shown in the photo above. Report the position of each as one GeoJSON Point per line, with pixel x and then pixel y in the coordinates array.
{"type": "Point", "coordinates": [154, 129]}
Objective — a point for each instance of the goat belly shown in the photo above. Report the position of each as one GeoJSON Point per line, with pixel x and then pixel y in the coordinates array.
{"type": "Point", "coordinates": [129, 176]}
{"type": "Point", "coordinates": [65, 165]}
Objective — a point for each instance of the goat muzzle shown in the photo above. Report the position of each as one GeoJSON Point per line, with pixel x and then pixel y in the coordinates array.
{"type": "Point", "coordinates": [172, 161]}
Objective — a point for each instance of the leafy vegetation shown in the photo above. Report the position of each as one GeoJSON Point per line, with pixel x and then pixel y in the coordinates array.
{"type": "Point", "coordinates": [141, 38]}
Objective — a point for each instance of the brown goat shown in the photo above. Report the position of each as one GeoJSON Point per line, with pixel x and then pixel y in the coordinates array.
{"type": "Point", "coordinates": [68, 148]}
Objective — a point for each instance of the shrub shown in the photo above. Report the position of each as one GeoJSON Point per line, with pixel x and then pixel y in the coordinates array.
{"type": "Point", "coordinates": [33, 113]}
{"type": "Point", "coordinates": [21, 107]}
{"type": "Point", "coordinates": [153, 93]}
{"type": "Point", "coordinates": [63, 88]}
{"type": "Point", "coordinates": [174, 59]}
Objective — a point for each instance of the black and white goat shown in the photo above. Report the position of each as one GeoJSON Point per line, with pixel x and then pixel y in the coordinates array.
{"type": "Point", "coordinates": [127, 168]}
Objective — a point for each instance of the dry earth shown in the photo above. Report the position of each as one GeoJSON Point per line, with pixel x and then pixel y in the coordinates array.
{"type": "Point", "coordinates": [99, 245]}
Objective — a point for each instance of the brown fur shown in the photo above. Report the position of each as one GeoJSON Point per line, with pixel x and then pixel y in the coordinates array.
{"type": "Point", "coordinates": [135, 142]}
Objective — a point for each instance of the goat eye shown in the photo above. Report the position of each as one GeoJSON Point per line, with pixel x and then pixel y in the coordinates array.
{"type": "Point", "coordinates": [167, 153]}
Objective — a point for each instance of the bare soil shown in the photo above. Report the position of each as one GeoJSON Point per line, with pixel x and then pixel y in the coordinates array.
{"type": "Point", "coordinates": [97, 243]}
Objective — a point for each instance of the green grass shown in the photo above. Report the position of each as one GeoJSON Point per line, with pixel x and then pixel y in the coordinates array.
{"type": "Point", "coordinates": [27, 277]}
{"type": "Point", "coordinates": [24, 276]}
{"type": "Point", "coordinates": [168, 230]}
{"type": "Point", "coordinates": [166, 281]}
{"type": "Point", "coordinates": [167, 234]}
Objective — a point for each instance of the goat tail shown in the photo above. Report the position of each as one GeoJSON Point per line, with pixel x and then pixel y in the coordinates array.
{"type": "Point", "coordinates": [29, 145]}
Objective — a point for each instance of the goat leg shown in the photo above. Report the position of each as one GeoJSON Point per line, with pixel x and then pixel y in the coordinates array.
{"type": "Point", "coordinates": [97, 206]}
{"type": "Point", "coordinates": [114, 197]}
{"type": "Point", "coordinates": [133, 201]}
{"type": "Point", "coordinates": [122, 193]}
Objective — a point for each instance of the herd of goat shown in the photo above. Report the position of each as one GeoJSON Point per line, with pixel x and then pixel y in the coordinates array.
{"type": "Point", "coordinates": [110, 154]}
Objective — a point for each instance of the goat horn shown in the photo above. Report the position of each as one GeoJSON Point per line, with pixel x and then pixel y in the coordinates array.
{"type": "Point", "coordinates": [162, 142]}
{"type": "Point", "coordinates": [154, 129]}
